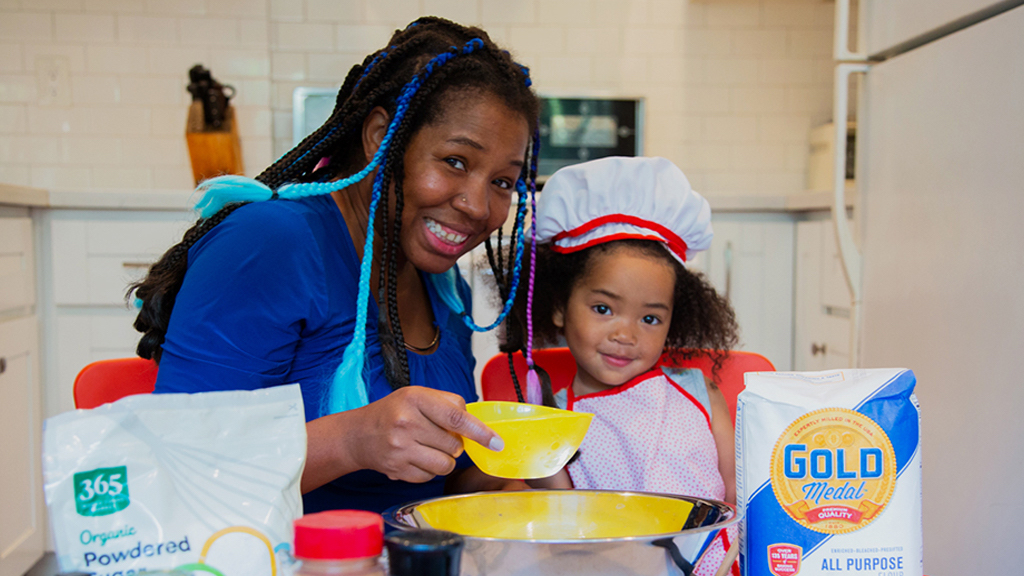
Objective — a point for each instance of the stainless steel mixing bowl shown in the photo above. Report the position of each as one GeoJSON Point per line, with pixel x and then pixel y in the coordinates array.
{"type": "Point", "coordinates": [563, 532]}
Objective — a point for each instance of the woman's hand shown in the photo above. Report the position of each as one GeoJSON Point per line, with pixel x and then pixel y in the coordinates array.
{"type": "Point", "coordinates": [413, 434]}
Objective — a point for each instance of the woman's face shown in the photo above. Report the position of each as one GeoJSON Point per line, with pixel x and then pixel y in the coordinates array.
{"type": "Point", "coordinates": [460, 176]}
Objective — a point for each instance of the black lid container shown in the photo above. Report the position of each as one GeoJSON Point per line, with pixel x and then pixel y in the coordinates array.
{"type": "Point", "coordinates": [424, 553]}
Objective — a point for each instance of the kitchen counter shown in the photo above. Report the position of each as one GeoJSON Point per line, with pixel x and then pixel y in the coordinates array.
{"type": "Point", "coordinates": [25, 196]}
{"type": "Point", "coordinates": [182, 200]}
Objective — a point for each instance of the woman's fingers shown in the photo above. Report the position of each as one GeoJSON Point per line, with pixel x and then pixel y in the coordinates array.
{"type": "Point", "coordinates": [416, 434]}
{"type": "Point", "coordinates": [448, 411]}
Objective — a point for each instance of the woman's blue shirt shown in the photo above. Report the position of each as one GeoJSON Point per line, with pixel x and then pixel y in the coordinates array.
{"type": "Point", "coordinates": [269, 299]}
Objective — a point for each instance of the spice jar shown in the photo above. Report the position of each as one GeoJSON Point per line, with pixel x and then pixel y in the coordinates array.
{"type": "Point", "coordinates": [424, 553]}
{"type": "Point", "coordinates": [339, 542]}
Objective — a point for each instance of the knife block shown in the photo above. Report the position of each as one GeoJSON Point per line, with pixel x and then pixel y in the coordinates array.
{"type": "Point", "coordinates": [212, 152]}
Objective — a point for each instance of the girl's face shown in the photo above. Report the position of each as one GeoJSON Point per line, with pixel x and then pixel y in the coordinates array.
{"type": "Point", "coordinates": [460, 176]}
{"type": "Point", "coordinates": [617, 318]}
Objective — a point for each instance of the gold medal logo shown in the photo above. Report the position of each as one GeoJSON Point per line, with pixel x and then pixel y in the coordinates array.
{"type": "Point", "coordinates": [833, 470]}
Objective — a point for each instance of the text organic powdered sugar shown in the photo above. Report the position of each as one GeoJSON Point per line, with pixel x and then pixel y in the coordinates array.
{"type": "Point", "coordinates": [829, 473]}
{"type": "Point", "coordinates": [200, 482]}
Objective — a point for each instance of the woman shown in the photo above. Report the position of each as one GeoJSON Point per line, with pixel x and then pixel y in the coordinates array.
{"type": "Point", "coordinates": [264, 293]}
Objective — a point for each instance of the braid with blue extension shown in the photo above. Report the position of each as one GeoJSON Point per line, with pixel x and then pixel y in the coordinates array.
{"type": "Point", "coordinates": [348, 389]}
{"type": "Point", "coordinates": [380, 56]}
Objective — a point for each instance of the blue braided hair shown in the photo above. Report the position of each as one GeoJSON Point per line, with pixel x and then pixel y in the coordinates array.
{"type": "Point", "coordinates": [374, 83]}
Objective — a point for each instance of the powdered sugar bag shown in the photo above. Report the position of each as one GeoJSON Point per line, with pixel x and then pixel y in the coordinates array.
{"type": "Point", "coordinates": [829, 473]}
{"type": "Point", "coordinates": [201, 482]}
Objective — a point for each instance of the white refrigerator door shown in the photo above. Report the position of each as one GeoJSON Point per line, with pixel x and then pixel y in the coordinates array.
{"type": "Point", "coordinates": [889, 22]}
{"type": "Point", "coordinates": [942, 142]}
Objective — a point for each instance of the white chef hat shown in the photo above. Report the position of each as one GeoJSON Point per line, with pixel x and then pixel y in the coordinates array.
{"type": "Point", "coordinates": [619, 198]}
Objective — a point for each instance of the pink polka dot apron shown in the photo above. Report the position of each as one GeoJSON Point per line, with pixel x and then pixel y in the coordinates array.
{"type": "Point", "coordinates": [651, 435]}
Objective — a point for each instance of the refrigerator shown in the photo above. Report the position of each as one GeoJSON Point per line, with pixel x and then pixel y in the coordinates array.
{"type": "Point", "coordinates": [938, 245]}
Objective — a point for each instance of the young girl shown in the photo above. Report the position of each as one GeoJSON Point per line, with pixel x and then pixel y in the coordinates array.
{"type": "Point", "coordinates": [612, 239]}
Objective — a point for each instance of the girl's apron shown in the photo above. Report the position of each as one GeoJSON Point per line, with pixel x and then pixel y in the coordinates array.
{"type": "Point", "coordinates": [653, 435]}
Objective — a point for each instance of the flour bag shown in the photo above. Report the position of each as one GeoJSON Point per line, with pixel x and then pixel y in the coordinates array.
{"type": "Point", "coordinates": [199, 482]}
{"type": "Point", "coordinates": [829, 473]}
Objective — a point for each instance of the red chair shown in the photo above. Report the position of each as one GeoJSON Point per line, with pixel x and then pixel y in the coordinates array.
{"type": "Point", "coordinates": [109, 380]}
{"type": "Point", "coordinates": [496, 382]}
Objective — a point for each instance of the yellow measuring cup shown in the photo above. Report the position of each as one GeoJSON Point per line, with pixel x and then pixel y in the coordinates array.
{"type": "Point", "coordinates": [538, 440]}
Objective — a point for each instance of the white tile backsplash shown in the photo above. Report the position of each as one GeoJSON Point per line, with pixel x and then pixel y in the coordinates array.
{"type": "Point", "coordinates": [214, 32]}
{"type": "Point", "coordinates": [730, 128]}
{"type": "Point", "coordinates": [289, 66]}
{"type": "Point", "coordinates": [509, 12]}
{"type": "Point", "coordinates": [238, 8]}
{"type": "Point", "coordinates": [122, 178]}
{"type": "Point", "coordinates": [147, 29]}
{"type": "Point", "coordinates": [758, 100]}
{"type": "Point", "coordinates": [27, 26]}
{"type": "Point", "coordinates": [341, 11]}
{"type": "Point", "coordinates": [462, 11]}
{"type": "Point", "coordinates": [247, 63]}
{"type": "Point", "coordinates": [100, 59]}
{"type": "Point", "coordinates": [535, 40]}
{"type": "Point", "coordinates": [122, 120]}
{"type": "Point", "coordinates": [760, 43]}
{"type": "Point", "coordinates": [393, 13]}
{"type": "Point", "coordinates": [287, 11]}
{"type": "Point", "coordinates": [595, 40]}
{"type": "Point", "coordinates": [18, 174]}
{"type": "Point", "coordinates": [10, 58]}
{"type": "Point", "coordinates": [733, 14]}
{"type": "Point", "coordinates": [362, 38]}
{"type": "Point", "coordinates": [327, 68]}
{"type": "Point", "coordinates": [62, 177]}
{"type": "Point", "coordinates": [92, 151]}
{"type": "Point", "coordinates": [177, 7]}
{"type": "Point", "coordinates": [155, 151]}
{"type": "Point", "coordinates": [157, 90]}
{"type": "Point", "coordinates": [84, 27]}
{"type": "Point", "coordinates": [104, 89]}
{"type": "Point", "coordinates": [732, 87]}
{"type": "Point", "coordinates": [13, 120]}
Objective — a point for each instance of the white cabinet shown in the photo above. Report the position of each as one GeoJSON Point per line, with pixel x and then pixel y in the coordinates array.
{"type": "Point", "coordinates": [822, 300]}
{"type": "Point", "coordinates": [22, 509]}
{"type": "Point", "coordinates": [94, 255]}
{"type": "Point", "coordinates": [750, 262]}
{"type": "Point", "coordinates": [17, 271]}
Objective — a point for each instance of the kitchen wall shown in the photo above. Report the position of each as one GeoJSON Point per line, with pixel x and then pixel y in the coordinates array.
{"type": "Point", "coordinates": [92, 91]}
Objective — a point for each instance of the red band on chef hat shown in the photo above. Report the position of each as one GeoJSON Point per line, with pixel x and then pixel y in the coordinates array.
{"type": "Point", "coordinates": [619, 198]}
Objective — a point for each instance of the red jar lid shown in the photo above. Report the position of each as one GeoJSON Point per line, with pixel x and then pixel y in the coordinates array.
{"type": "Point", "coordinates": [339, 535]}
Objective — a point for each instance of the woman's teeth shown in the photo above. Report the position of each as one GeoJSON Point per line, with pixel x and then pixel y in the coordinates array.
{"type": "Point", "coordinates": [449, 237]}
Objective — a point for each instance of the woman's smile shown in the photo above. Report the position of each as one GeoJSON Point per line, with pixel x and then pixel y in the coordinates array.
{"type": "Point", "coordinates": [448, 239]}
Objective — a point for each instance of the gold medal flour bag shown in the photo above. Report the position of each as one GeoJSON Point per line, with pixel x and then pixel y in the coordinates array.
{"type": "Point", "coordinates": [829, 473]}
{"type": "Point", "coordinates": [200, 482]}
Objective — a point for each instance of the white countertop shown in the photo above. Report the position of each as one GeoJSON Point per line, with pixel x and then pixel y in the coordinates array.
{"type": "Point", "coordinates": [156, 199]}
{"type": "Point", "coordinates": [96, 199]}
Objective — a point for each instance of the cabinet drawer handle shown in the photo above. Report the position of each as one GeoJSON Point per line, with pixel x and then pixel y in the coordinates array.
{"type": "Point", "coordinates": [728, 271]}
{"type": "Point", "coordinates": [818, 349]}
{"type": "Point", "coordinates": [3, 365]}
{"type": "Point", "coordinates": [144, 265]}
